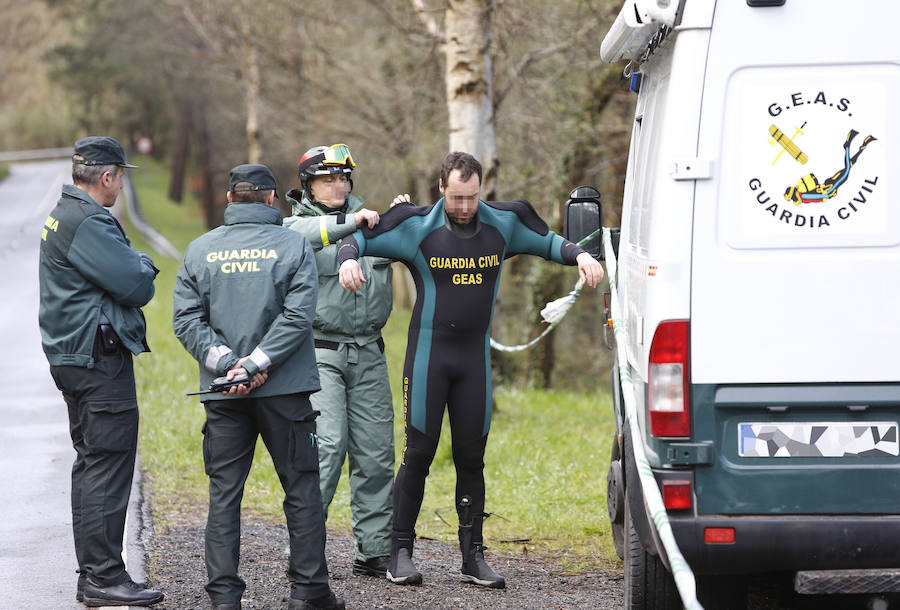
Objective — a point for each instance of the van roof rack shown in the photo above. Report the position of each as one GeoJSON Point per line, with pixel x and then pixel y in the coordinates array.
{"type": "Point", "coordinates": [634, 27]}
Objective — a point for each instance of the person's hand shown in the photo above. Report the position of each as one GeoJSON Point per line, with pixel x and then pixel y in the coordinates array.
{"type": "Point", "coordinates": [350, 275]}
{"type": "Point", "coordinates": [242, 390]}
{"type": "Point", "coordinates": [147, 261]}
{"type": "Point", "coordinates": [589, 270]}
{"type": "Point", "coordinates": [259, 377]}
{"type": "Point", "coordinates": [366, 216]}
{"type": "Point", "coordinates": [404, 198]}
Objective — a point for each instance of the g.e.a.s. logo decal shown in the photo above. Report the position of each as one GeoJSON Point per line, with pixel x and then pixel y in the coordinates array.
{"type": "Point", "coordinates": [816, 175]}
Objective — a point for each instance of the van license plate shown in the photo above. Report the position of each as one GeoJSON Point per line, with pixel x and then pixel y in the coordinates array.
{"type": "Point", "coordinates": [818, 439]}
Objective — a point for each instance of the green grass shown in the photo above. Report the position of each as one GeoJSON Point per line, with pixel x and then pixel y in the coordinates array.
{"type": "Point", "coordinates": [546, 458]}
{"type": "Point", "coordinates": [4, 170]}
{"type": "Point", "coordinates": [170, 448]}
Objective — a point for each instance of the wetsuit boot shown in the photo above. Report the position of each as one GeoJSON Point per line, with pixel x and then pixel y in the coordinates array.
{"type": "Point", "coordinates": [401, 569]}
{"type": "Point", "coordinates": [474, 568]}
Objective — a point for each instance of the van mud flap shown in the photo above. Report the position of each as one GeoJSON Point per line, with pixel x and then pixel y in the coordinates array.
{"type": "Point", "coordinates": [823, 582]}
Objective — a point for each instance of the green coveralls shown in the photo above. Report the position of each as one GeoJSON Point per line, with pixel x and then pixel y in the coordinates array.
{"type": "Point", "coordinates": [249, 287]}
{"type": "Point", "coordinates": [355, 400]}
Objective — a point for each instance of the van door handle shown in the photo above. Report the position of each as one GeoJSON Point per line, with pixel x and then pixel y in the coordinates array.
{"type": "Point", "coordinates": [692, 169]}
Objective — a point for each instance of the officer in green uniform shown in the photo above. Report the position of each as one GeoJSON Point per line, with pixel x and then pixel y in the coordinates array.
{"type": "Point", "coordinates": [357, 412]}
{"type": "Point", "coordinates": [244, 303]}
{"type": "Point", "coordinates": [92, 286]}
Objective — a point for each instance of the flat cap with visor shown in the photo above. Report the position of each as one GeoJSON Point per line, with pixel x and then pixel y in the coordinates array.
{"type": "Point", "coordinates": [99, 150]}
{"type": "Point", "coordinates": [251, 177]}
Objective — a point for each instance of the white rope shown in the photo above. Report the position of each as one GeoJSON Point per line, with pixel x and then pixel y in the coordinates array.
{"type": "Point", "coordinates": [553, 312]}
{"type": "Point", "coordinates": [681, 571]}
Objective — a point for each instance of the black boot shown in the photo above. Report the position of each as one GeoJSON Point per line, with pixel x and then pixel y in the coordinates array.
{"type": "Point", "coordinates": [401, 569]}
{"type": "Point", "coordinates": [327, 602]}
{"type": "Point", "coordinates": [79, 589]}
{"type": "Point", "coordinates": [128, 593]}
{"type": "Point", "coordinates": [376, 566]}
{"type": "Point", "coordinates": [474, 568]}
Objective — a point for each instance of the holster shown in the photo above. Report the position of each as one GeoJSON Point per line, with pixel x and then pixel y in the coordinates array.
{"type": "Point", "coordinates": [109, 340]}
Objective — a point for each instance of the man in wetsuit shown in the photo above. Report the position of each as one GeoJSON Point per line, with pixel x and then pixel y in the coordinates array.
{"type": "Point", "coordinates": [454, 250]}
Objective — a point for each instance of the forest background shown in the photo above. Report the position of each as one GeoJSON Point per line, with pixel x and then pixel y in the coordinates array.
{"type": "Point", "coordinates": [215, 83]}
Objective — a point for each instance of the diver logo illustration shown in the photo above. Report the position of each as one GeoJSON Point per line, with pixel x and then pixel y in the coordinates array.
{"type": "Point", "coordinates": [809, 190]}
{"type": "Point", "coordinates": [821, 117]}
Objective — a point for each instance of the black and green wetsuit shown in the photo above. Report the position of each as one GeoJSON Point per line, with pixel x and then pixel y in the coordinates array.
{"type": "Point", "coordinates": [456, 269]}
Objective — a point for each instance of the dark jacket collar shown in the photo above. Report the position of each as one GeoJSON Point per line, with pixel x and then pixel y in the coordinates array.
{"type": "Point", "coordinates": [252, 213]}
{"type": "Point", "coordinates": [302, 206]}
{"type": "Point", "coordinates": [70, 190]}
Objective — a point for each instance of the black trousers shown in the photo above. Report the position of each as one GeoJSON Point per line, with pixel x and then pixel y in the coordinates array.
{"type": "Point", "coordinates": [103, 423]}
{"type": "Point", "coordinates": [409, 485]}
{"type": "Point", "coordinates": [456, 375]}
{"type": "Point", "coordinates": [288, 429]}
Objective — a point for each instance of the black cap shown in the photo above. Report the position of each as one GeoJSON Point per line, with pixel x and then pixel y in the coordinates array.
{"type": "Point", "coordinates": [99, 150]}
{"type": "Point", "coordinates": [259, 176]}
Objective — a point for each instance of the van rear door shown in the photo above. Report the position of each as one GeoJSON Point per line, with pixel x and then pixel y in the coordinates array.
{"type": "Point", "coordinates": [795, 333]}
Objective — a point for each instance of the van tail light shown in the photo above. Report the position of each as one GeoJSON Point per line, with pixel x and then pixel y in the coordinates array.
{"type": "Point", "coordinates": [676, 494]}
{"type": "Point", "coordinates": [668, 384]}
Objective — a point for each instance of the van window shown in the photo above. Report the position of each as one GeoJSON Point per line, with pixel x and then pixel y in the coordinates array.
{"type": "Point", "coordinates": [646, 137]}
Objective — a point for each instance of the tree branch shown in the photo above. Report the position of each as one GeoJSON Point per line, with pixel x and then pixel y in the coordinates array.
{"type": "Point", "coordinates": [538, 54]}
{"type": "Point", "coordinates": [431, 25]}
{"type": "Point", "coordinates": [197, 26]}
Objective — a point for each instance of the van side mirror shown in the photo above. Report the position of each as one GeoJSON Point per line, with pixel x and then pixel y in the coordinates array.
{"type": "Point", "coordinates": [584, 216]}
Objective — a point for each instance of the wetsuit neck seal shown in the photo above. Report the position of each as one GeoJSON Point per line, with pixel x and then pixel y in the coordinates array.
{"type": "Point", "coordinates": [460, 230]}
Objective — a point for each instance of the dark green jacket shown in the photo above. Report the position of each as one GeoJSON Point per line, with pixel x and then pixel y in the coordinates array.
{"type": "Point", "coordinates": [249, 288]}
{"type": "Point", "coordinates": [341, 315]}
{"type": "Point", "coordinates": [89, 274]}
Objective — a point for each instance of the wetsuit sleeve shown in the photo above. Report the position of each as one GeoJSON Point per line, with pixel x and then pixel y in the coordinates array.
{"type": "Point", "coordinates": [530, 235]}
{"type": "Point", "coordinates": [396, 236]}
{"type": "Point", "coordinates": [550, 246]}
{"type": "Point", "coordinates": [323, 230]}
{"type": "Point", "coordinates": [348, 249]}
{"type": "Point", "coordinates": [568, 251]}
{"type": "Point", "coordinates": [295, 321]}
{"type": "Point", "coordinates": [190, 321]}
{"type": "Point", "coordinates": [100, 253]}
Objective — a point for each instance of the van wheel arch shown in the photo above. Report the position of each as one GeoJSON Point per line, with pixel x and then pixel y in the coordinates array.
{"type": "Point", "coordinates": [615, 498]}
{"type": "Point", "coordinates": [634, 497]}
{"type": "Point", "coordinates": [648, 584]}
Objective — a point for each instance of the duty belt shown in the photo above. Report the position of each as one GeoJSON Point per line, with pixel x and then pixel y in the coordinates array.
{"type": "Point", "coordinates": [334, 345]}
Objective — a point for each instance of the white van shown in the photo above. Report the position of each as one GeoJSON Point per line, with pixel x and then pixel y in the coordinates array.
{"type": "Point", "coordinates": [759, 275]}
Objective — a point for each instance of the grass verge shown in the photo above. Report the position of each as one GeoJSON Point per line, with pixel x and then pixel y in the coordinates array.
{"type": "Point", "coordinates": [546, 461]}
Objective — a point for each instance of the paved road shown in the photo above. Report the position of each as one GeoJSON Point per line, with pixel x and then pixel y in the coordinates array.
{"type": "Point", "coordinates": [37, 556]}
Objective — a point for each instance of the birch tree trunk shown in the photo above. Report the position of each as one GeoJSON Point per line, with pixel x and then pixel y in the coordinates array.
{"type": "Point", "coordinates": [469, 79]}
